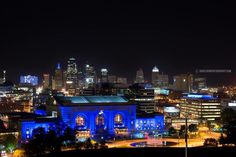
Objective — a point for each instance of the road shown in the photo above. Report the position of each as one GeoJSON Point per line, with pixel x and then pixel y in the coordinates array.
{"type": "Point", "coordinates": [196, 142]}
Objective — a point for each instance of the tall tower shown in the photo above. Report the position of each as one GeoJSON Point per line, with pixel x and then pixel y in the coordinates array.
{"type": "Point", "coordinates": [155, 76]}
{"type": "Point", "coordinates": [58, 78]}
{"type": "Point", "coordinates": [104, 75]}
{"type": "Point", "coordinates": [72, 76]}
{"type": "Point", "coordinates": [90, 76]}
{"type": "Point", "coordinates": [46, 81]}
{"type": "Point", "coordinates": [139, 76]}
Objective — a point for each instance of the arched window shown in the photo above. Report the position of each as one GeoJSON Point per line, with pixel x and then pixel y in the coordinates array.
{"type": "Point", "coordinates": [118, 119]}
{"type": "Point", "coordinates": [80, 121]}
{"type": "Point", "coordinates": [100, 120]}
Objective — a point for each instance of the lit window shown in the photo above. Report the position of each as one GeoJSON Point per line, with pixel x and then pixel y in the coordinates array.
{"type": "Point", "coordinates": [118, 119]}
{"type": "Point", "coordinates": [100, 119]}
{"type": "Point", "coordinates": [80, 121]}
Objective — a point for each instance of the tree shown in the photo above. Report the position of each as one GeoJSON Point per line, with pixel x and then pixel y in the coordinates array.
{"type": "Point", "coordinates": [88, 144]}
{"type": "Point", "coordinates": [172, 130]}
{"type": "Point", "coordinates": [192, 128]}
{"type": "Point", "coordinates": [182, 130]}
{"type": "Point", "coordinates": [37, 145]}
{"type": "Point", "coordinates": [228, 115]}
{"type": "Point", "coordinates": [53, 142]}
{"type": "Point", "coordinates": [68, 136]}
{"type": "Point", "coordinates": [10, 143]}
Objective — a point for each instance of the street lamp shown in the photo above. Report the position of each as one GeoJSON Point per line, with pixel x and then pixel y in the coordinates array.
{"type": "Point", "coordinates": [186, 136]}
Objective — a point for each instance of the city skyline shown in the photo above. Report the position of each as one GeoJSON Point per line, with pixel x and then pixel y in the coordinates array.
{"type": "Point", "coordinates": [174, 37]}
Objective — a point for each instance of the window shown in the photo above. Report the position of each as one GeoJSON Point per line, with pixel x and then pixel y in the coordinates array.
{"type": "Point", "coordinates": [80, 121]}
{"type": "Point", "coordinates": [118, 119]}
{"type": "Point", "coordinates": [100, 119]}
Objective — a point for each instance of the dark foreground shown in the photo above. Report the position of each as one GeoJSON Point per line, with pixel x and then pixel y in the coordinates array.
{"type": "Point", "coordinates": [150, 152]}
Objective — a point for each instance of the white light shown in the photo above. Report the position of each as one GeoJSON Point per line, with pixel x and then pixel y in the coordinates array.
{"type": "Point", "coordinates": [69, 82]}
{"type": "Point", "coordinates": [39, 90]}
{"type": "Point", "coordinates": [231, 104]}
{"type": "Point", "coordinates": [155, 69]}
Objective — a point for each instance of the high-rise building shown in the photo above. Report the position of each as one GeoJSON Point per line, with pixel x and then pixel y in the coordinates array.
{"type": "Point", "coordinates": [90, 76]}
{"type": "Point", "coordinates": [112, 79]}
{"type": "Point", "coordinates": [155, 76]}
{"type": "Point", "coordinates": [183, 82]}
{"type": "Point", "coordinates": [104, 75]}
{"type": "Point", "coordinates": [139, 76]}
{"type": "Point", "coordinates": [58, 78]}
{"type": "Point", "coordinates": [122, 80]}
{"type": "Point", "coordinates": [46, 81]}
{"type": "Point", "coordinates": [72, 76]}
{"type": "Point", "coordinates": [202, 107]}
{"type": "Point", "coordinates": [163, 81]}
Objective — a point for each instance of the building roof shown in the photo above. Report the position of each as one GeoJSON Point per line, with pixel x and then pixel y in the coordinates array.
{"type": "Point", "coordinates": [91, 99]}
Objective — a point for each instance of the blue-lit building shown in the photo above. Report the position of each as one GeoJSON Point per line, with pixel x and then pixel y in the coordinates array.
{"type": "Point", "coordinates": [95, 116]}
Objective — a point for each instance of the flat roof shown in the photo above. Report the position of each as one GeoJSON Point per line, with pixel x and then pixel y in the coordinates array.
{"type": "Point", "coordinates": [91, 99]}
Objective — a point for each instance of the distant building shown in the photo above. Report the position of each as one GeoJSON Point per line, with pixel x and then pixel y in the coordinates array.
{"type": "Point", "coordinates": [144, 96]}
{"type": "Point", "coordinates": [139, 76]}
{"type": "Point", "coordinates": [58, 78]}
{"type": "Point", "coordinates": [104, 75]}
{"type": "Point", "coordinates": [90, 76]}
{"type": "Point", "coordinates": [199, 83]}
{"type": "Point", "coordinates": [29, 79]}
{"type": "Point", "coordinates": [46, 81]}
{"type": "Point", "coordinates": [183, 82]}
{"type": "Point", "coordinates": [155, 76]}
{"type": "Point", "coordinates": [122, 80]}
{"type": "Point", "coordinates": [112, 79]}
{"type": "Point", "coordinates": [72, 76]}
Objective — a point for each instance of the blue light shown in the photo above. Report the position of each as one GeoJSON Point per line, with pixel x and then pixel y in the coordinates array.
{"type": "Point", "coordinates": [199, 96]}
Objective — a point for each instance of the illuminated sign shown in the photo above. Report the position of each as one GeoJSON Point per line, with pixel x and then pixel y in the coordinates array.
{"type": "Point", "coordinates": [232, 104]}
{"type": "Point", "coordinates": [28, 79]}
{"type": "Point", "coordinates": [171, 109]}
{"type": "Point", "coordinates": [199, 96]}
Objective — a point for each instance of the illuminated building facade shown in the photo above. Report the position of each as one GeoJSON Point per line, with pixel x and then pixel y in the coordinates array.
{"type": "Point", "coordinates": [90, 76]}
{"type": "Point", "coordinates": [104, 75]}
{"type": "Point", "coordinates": [139, 76]}
{"type": "Point", "coordinates": [58, 78]}
{"type": "Point", "coordinates": [72, 76]}
{"type": "Point", "coordinates": [94, 116]}
{"type": "Point", "coordinates": [155, 76]}
{"type": "Point", "coordinates": [183, 82]}
{"type": "Point", "coordinates": [202, 107]}
{"type": "Point", "coordinates": [28, 79]}
{"type": "Point", "coordinates": [46, 81]}
{"type": "Point", "coordinates": [122, 80]}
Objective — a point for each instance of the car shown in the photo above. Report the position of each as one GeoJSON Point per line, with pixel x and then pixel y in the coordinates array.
{"type": "Point", "coordinates": [210, 142]}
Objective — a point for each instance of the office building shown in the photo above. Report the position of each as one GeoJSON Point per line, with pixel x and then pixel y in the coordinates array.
{"type": "Point", "coordinates": [58, 78]}
{"type": "Point", "coordinates": [46, 81]}
{"type": "Point", "coordinates": [90, 76]}
{"type": "Point", "coordinates": [139, 76]}
{"type": "Point", "coordinates": [155, 76]}
{"type": "Point", "coordinates": [122, 80]}
{"type": "Point", "coordinates": [104, 75]}
{"type": "Point", "coordinates": [72, 76]}
{"type": "Point", "coordinates": [201, 107]}
{"type": "Point", "coordinates": [112, 79]}
{"type": "Point", "coordinates": [183, 82]}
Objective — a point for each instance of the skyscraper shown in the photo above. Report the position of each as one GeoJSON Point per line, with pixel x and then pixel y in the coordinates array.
{"type": "Point", "coordinates": [90, 76]}
{"type": "Point", "coordinates": [104, 75]}
{"type": "Point", "coordinates": [155, 76]}
{"type": "Point", "coordinates": [72, 76]}
{"type": "Point", "coordinates": [183, 82]}
{"type": "Point", "coordinates": [58, 77]}
{"type": "Point", "coordinates": [139, 76]}
{"type": "Point", "coordinates": [46, 81]}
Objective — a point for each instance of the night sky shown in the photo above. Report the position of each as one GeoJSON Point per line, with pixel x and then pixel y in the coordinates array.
{"type": "Point", "coordinates": [123, 37]}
